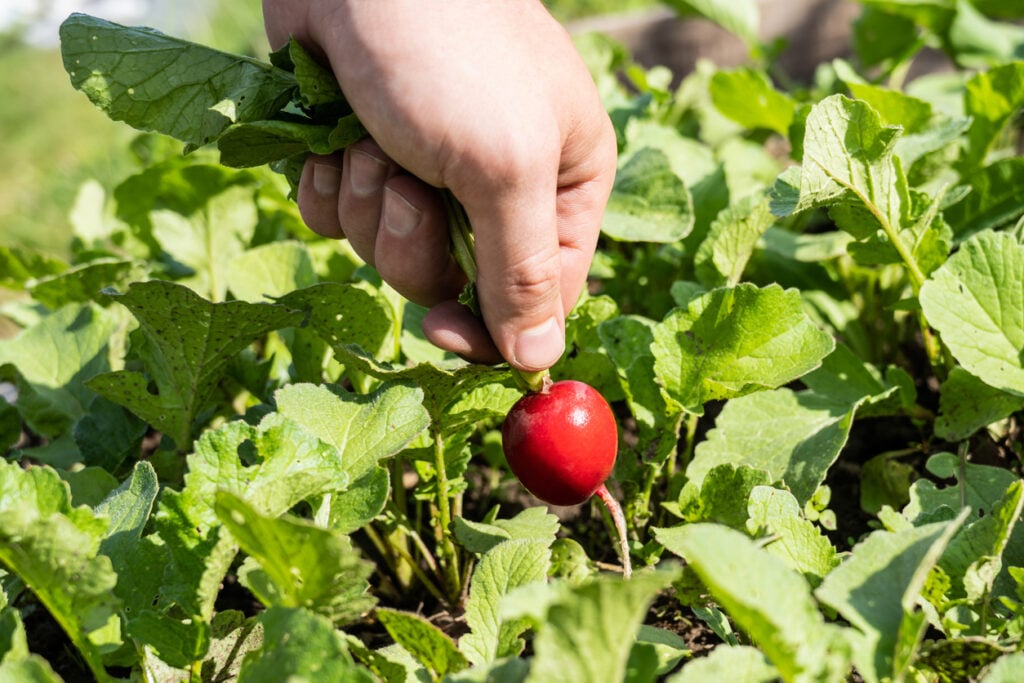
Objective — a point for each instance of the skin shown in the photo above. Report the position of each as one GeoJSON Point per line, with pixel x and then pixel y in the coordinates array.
{"type": "Point", "coordinates": [490, 100]}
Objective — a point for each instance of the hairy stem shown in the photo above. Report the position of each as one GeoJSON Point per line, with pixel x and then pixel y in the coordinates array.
{"type": "Point", "coordinates": [446, 546]}
{"type": "Point", "coordinates": [619, 520]}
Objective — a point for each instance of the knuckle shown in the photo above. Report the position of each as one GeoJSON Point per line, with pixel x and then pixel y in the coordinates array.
{"type": "Point", "coordinates": [533, 281]}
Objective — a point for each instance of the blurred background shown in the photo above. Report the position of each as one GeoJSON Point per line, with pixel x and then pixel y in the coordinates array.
{"type": "Point", "coordinates": [53, 138]}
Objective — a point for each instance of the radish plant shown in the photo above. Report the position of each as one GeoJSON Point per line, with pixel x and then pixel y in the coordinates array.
{"type": "Point", "coordinates": [232, 455]}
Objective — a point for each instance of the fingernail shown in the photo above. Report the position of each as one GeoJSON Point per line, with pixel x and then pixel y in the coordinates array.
{"type": "Point", "coordinates": [366, 172]}
{"type": "Point", "coordinates": [400, 217]}
{"type": "Point", "coordinates": [540, 347]}
{"type": "Point", "coordinates": [326, 179]}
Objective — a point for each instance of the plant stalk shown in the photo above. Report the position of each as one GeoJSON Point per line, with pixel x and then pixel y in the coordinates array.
{"type": "Point", "coordinates": [937, 355]}
{"type": "Point", "coordinates": [446, 546]}
{"type": "Point", "coordinates": [408, 559]}
{"type": "Point", "coordinates": [619, 519]}
{"type": "Point", "coordinates": [962, 472]}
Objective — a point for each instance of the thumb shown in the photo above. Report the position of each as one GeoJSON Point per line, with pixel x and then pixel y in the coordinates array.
{"type": "Point", "coordinates": [519, 279]}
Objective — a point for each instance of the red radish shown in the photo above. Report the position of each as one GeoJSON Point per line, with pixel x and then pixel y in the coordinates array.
{"type": "Point", "coordinates": [561, 443]}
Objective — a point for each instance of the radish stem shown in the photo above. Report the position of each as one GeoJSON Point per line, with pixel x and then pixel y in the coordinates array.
{"type": "Point", "coordinates": [615, 510]}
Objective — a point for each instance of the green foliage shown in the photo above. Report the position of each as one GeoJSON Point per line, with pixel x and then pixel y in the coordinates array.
{"type": "Point", "coordinates": [230, 453]}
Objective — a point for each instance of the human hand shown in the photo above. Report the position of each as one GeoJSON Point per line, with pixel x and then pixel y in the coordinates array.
{"type": "Point", "coordinates": [492, 101]}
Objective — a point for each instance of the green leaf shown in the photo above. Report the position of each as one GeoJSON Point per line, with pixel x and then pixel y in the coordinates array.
{"type": "Point", "coordinates": [18, 266]}
{"type": "Point", "coordinates": [926, 155]}
{"type": "Point", "coordinates": [424, 641]}
{"type": "Point", "coordinates": [732, 342]}
{"type": "Point", "coordinates": [85, 283]}
{"type": "Point", "coordinates": [233, 637]}
{"type": "Point", "coordinates": [885, 481]}
{"type": "Point", "coordinates": [300, 564]}
{"type": "Point", "coordinates": [880, 37]}
{"type": "Point", "coordinates": [721, 495]}
{"type": "Point", "coordinates": [691, 161]}
{"type": "Point", "coordinates": [13, 641]}
{"type": "Point", "coordinates": [996, 199]}
{"type": "Point", "coordinates": [300, 646]}
{"type": "Point", "coordinates": [934, 15]}
{"type": "Point", "coordinates": [17, 664]}
{"type": "Point", "coordinates": [244, 145]}
{"type": "Point", "coordinates": [765, 597]}
{"type": "Point", "coordinates": [701, 168]}
{"type": "Point", "coordinates": [895, 108]}
{"type": "Point", "coordinates": [1006, 669]}
{"type": "Point", "coordinates": [991, 99]}
{"type": "Point", "coordinates": [108, 434]}
{"type": "Point", "coordinates": [794, 436]}
{"type": "Point", "coordinates": [976, 302]}
{"type": "Point", "coordinates": [723, 255]}
{"type": "Point", "coordinates": [983, 539]}
{"type": "Point", "coordinates": [656, 652]}
{"type": "Point", "coordinates": [128, 509]}
{"type": "Point", "coordinates": [978, 487]}
{"type": "Point", "coordinates": [89, 485]}
{"type": "Point", "coordinates": [532, 524]}
{"type": "Point", "coordinates": [504, 567]}
{"type": "Point", "coordinates": [176, 642]}
{"type": "Point", "coordinates": [317, 85]}
{"type": "Point", "coordinates": [53, 548]}
{"type": "Point", "coordinates": [344, 314]}
{"type": "Point", "coordinates": [54, 359]}
{"type": "Point", "coordinates": [159, 83]}
{"type": "Point", "coordinates": [775, 514]}
{"type": "Point", "coordinates": [363, 428]}
{"type": "Point", "coordinates": [980, 42]}
{"type": "Point", "coordinates": [139, 563]}
{"type": "Point", "coordinates": [189, 342]}
{"type": "Point", "coordinates": [482, 402]}
{"type": "Point", "coordinates": [509, 670]}
{"type": "Point", "coordinates": [848, 161]}
{"type": "Point", "coordinates": [270, 271]}
{"type": "Point", "coordinates": [738, 664]}
{"type": "Point", "coordinates": [443, 386]}
{"type": "Point", "coordinates": [585, 358]}
{"type": "Point", "coordinates": [205, 240]}
{"type": "Point", "coordinates": [846, 379]}
{"type": "Point", "coordinates": [293, 465]}
{"type": "Point", "coordinates": [741, 17]}
{"type": "Point", "coordinates": [32, 669]}
{"type": "Point", "coordinates": [747, 97]}
{"type": "Point", "coordinates": [877, 590]}
{"type": "Point", "coordinates": [648, 203]}
{"type": "Point", "coordinates": [960, 659]}
{"type": "Point", "coordinates": [357, 506]}
{"type": "Point", "coordinates": [628, 341]}
{"type": "Point", "coordinates": [966, 404]}
{"type": "Point", "coordinates": [984, 489]}
{"type": "Point", "coordinates": [196, 557]}
{"type": "Point", "coordinates": [585, 632]}
{"type": "Point", "coordinates": [192, 215]}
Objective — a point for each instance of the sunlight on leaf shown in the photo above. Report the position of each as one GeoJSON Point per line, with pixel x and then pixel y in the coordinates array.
{"type": "Point", "coordinates": [976, 301]}
{"type": "Point", "coordinates": [732, 342]}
